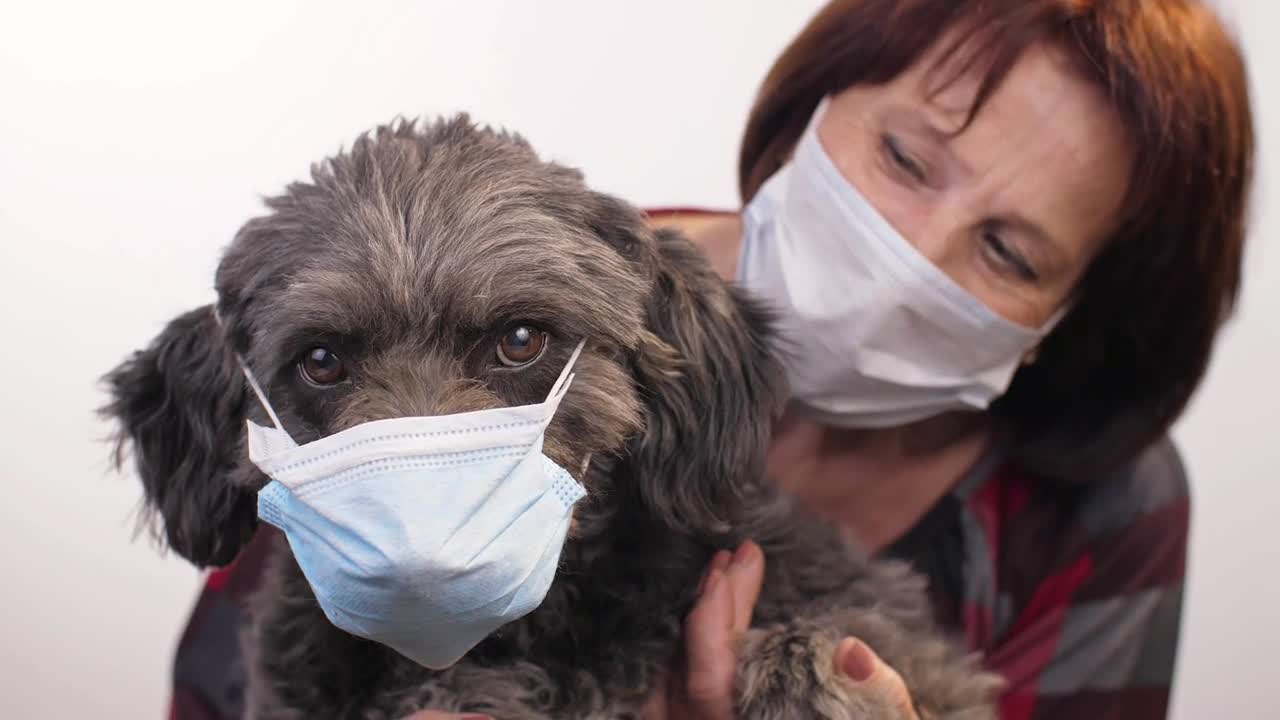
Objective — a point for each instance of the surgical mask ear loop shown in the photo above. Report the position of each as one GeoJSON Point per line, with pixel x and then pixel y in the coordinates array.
{"type": "Point", "coordinates": [262, 398]}
{"type": "Point", "coordinates": [561, 386]}
{"type": "Point", "coordinates": [257, 390]}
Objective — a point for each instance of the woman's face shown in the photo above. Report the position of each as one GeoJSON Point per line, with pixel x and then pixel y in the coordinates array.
{"type": "Point", "coordinates": [1014, 207]}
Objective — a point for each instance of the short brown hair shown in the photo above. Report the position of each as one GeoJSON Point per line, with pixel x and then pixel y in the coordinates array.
{"type": "Point", "coordinates": [1121, 367]}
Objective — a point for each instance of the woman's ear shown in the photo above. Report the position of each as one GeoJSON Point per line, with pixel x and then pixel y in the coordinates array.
{"type": "Point", "coordinates": [712, 386]}
{"type": "Point", "coordinates": [180, 406]}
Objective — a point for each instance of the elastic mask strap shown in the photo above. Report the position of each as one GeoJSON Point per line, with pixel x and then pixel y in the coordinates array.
{"type": "Point", "coordinates": [818, 111]}
{"type": "Point", "coordinates": [257, 389]}
{"type": "Point", "coordinates": [562, 383]}
{"type": "Point", "coordinates": [262, 397]}
{"type": "Point", "coordinates": [1057, 317]}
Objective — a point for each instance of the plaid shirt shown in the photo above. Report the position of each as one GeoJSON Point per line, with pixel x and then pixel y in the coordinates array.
{"type": "Point", "coordinates": [1074, 596]}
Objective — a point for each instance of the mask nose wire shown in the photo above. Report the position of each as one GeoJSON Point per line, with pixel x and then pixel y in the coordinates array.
{"type": "Point", "coordinates": [257, 389]}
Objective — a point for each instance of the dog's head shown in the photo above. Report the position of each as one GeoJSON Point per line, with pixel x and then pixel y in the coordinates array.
{"type": "Point", "coordinates": [442, 269]}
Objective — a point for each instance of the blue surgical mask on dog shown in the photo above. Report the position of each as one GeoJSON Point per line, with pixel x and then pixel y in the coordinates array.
{"type": "Point", "coordinates": [425, 534]}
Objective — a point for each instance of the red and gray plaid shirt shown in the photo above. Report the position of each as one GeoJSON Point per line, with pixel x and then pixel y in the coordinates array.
{"type": "Point", "coordinates": [1074, 596]}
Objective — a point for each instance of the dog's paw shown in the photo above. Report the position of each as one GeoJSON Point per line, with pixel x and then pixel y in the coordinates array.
{"type": "Point", "coordinates": [789, 672]}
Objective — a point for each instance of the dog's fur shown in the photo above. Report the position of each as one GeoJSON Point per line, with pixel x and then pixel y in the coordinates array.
{"type": "Point", "coordinates": [410, 254]}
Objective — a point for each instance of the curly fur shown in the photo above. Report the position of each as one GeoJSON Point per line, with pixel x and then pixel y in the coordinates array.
{"type": "Point", "coordinates": [411, 253]}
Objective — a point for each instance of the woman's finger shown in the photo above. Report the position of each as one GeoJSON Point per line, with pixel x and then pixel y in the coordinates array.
{"type": "Point", "coordinates": [710, 651]}
{"type": "Point", "coordinates": [746, 577]}
{"type": "Point", "coordinates": [858, 663]}
{"type": "Point", "coordinates": [723, 610]}
{"type": "Point", "coordinates": [719, 561]}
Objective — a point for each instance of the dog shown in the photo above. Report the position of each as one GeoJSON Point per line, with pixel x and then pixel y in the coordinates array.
{"type": "Point", "coordinates": [410, 256]}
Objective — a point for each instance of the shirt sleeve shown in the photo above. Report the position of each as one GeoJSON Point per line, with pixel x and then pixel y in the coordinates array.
{"type": "Point", "coordinates": [1098, 637]}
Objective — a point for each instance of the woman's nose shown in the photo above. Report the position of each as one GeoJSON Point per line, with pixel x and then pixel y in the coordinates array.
{"type": "Point", "coordinates": [939, 232]}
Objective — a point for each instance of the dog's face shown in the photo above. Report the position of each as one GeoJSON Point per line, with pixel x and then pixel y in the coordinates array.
{"type": "Point", "coordinates": [437, 272]}
{"type": "Point", "coordinates": [440, 270]}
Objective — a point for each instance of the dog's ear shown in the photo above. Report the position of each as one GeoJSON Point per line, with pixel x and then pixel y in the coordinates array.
{"type": "Point", "coordinates": [712, 386]}
{"type": "Point", "coordinates": [180, 405]}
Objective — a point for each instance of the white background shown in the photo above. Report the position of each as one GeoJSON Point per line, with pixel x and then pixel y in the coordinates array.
{"type": "Point", "coordinates": [135, 138]}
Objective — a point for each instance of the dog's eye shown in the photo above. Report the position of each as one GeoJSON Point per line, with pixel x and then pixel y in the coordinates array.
{"type": "Point", "coordinates": [320, 366]}
{"type": "Point", "coordinates": [521, 345]}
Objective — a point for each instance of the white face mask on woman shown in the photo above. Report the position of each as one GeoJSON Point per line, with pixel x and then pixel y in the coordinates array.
{"type": "Point", "coordinates": [875, 334]}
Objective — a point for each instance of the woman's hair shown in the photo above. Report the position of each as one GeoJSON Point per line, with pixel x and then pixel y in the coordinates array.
{"type": "Point", "coordinates": [1122, 365]}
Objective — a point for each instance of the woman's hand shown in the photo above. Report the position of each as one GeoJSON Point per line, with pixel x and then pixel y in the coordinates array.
{"type": "Point", "coordinates": [703, 688]}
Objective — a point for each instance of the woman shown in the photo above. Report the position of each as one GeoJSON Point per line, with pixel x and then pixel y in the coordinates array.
{"type": "Point", "coordinates": [1002, 237]}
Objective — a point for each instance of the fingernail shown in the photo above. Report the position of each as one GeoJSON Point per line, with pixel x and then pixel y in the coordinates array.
{"type": "Point", "coordinates": [745, 554]}
{"type": "Point", "coordinates": [721, 560]}
{"type": "Point", "coordinates": [713, 579]}
{"type": "Point", "coordinates": [856, 660]}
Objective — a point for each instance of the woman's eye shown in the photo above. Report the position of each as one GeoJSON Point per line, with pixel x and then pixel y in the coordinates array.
{"type": "Point", "coordinates": [321, 366]}
{"type": "Point", "coordinates": [901, 158]}
{"type": "Point", "coordinates": [1008, 259]}
{"type": "Point", "coordinates": [521, 345]}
